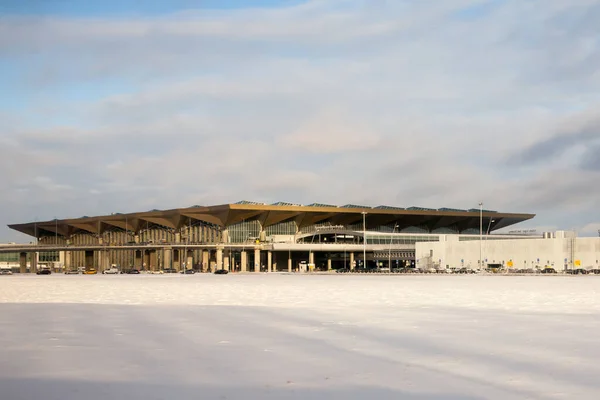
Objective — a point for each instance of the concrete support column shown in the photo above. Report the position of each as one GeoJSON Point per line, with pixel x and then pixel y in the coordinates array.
{"type": "Point", "coordinates": [311, 257]}
{"type": "Point", "coordinates": [269, 261]}
{"type": "Point", "coordinates": [189, 263]}
{"type": "Point", "coordinates": [153, 264]}
{"type": "Point", "coordinates": [205, 265]}
{"type": "Point", "coordinates": [244, 261]}
{"type": "Point", "coordinates": [219, 258]}
{"type": "Point", "coordinates": [104, 263]}
{"type": "Point", "coordinates": [226, 259]}
{"type": "Point", "coordinates": [167, 258]}
{"type": "Point", "coordinates": [68, 260]}
{"type": "Point", "coordinates": [351, 261]}
{"type": "Point", "coordinates": [23, 263]}
{"type": "Point", "coordinates": [329, 264]}
{"type": "Point", "coordinates": [33, 263]}
{"type": "Point", "coordinates": [289, 264]}
{"type": "Point", "coordinates": [256, 260]}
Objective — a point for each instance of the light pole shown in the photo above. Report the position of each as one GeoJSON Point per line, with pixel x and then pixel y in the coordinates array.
{"type": "Point", "coordinates": [487, 233]}
{"type": "Point", "coordinates": [481, 236]}
{"type": "Point", "coordinates": [364, 214]}
{"type": "Point", "coordinates": [390, 252]}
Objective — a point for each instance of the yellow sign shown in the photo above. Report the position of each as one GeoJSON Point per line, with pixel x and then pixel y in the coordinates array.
{"type": "Point", "coordinates": [578, 262]}
{"type": "Point", "coordinates": [510, 263]}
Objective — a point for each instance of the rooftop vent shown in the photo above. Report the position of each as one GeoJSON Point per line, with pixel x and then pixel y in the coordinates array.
{"type": "Point", "coordinates": [384, 207]}
{"type": "Point", "coordinates": [354, 206]}
{"type": "Point", "coordinates": [321, 205]}
{"type": "Point", "coordinates": [415, 208]}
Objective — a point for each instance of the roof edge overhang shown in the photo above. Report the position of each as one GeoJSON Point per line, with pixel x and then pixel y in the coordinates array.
{"type": "Point", "coordinates": [225, 212]}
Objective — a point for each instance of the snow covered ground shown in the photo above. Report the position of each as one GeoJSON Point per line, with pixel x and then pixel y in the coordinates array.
{"type": "Point", "coordinates": [299, 337]}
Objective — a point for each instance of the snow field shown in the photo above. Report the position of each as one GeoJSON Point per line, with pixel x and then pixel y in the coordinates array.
{"type": "Point", "coordinates": [295, 336]}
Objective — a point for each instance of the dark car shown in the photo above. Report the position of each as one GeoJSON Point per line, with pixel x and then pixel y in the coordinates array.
{"type": "Point", "coordinates": [170, 271]}
{"type": "Point", "coordinates": [221, 272]}
{"type": "Point", "coordinates": [133, 271]}
{"type": "Point", "coordinates": [44, 272]}
{"type": "Point", "coordinates": [548, 271]}
{"type": "Point", "coordinates": [188, 272]}
{"type": "Point", "coordinates": [342, 270]}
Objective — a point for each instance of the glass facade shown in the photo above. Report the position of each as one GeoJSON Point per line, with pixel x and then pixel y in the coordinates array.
{"type": "Point", "coordinates": [48, 256]}
{"type": "Point", "coordinates": [282, 228]}
{"type": "Point", "coordinates": [244, 231]}
{"type": "Point", "coordinates": [9, 257]}
{"type": "Point", "coordinates": [400, 239]}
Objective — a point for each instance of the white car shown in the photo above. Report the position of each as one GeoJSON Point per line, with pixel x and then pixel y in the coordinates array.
{"type": "Point", "coordinates": [113, 270]}
{"type": "Point", "coordinates": [6, 271]}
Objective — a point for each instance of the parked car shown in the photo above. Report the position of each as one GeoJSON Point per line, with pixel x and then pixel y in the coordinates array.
{"type": "Point", "coordinates": [548, 270]}
{"type": "Point", "coordinates": [342, 270]}
{"type": "Point", "coordinates": [44, 272]}
{"type": "Point", "coordinates": [188, 272]}
{"type": "Point", "coordinates": [580, 271]}
{"type": "Point", "coordinates": [91, 271]}
{"type": "Point", "coordinates": [221, 272]}
{"type": "Point", "coordinates": [113, 270]}
{"type": "Point", "coordinates": [5, 272]}
{"type": "Point", "coordinates": [72, 272]}
{"type": "Point", "coordinates": [170, 271]}
{"type": "Point", "coordinates": [133, 271]}
{"type": "Point", "coordinates": [465, 271]}
{"type": "Point", "coordinates": [405, 270]}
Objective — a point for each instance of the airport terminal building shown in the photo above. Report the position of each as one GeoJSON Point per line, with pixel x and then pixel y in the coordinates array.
{"type": "Point", "coordinates": [251, 237]}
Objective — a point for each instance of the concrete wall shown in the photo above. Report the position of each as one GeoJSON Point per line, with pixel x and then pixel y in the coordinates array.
{"type": "Point", "coordinates": [561, 252]}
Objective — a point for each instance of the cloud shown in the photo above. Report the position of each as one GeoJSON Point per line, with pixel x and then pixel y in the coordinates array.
{"type": "Point", "coordinates": [331, 131]}
{"type": "Point", "coordinates": [591, 229]}
{"type": "Point", "coordinates": [443, 103]}
{"type": "Point", "coordinates": [581, 131]}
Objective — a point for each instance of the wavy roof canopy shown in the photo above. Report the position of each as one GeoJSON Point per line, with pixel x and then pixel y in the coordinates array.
{"type": "Point", "coordinates": [228, 214]}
